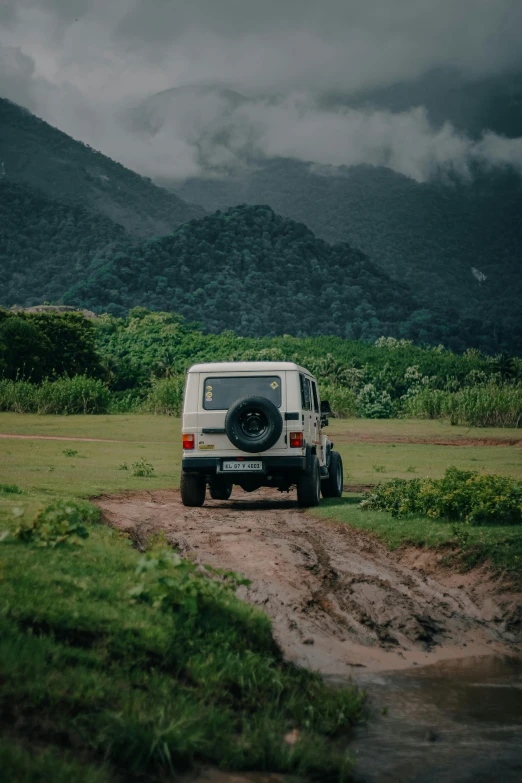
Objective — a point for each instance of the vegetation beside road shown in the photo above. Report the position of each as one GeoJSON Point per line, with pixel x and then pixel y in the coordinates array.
{"type": "Point", "coordinates": [460, 545]}
{"type": "Point", "coordinates": [65, 363]}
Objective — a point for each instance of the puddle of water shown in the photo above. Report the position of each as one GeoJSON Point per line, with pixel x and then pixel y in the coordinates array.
{"type": "Point", "coordinates": [453, 722]}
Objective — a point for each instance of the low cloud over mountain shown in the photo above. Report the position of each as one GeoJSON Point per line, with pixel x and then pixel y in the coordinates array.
{"type": "Point", "coordinates": [91, 67]}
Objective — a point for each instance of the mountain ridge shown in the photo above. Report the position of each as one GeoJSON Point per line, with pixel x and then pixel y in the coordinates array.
{"type": "Point", "coordinates": [255, 272]}
{"type": "Point", "coordinates": [42, 156]}
{"type": "Point", "coordinates": [429, 235]}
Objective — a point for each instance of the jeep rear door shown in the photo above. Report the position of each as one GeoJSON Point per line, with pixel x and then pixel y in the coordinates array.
{"type": "Point", "coordinates": [217, 391]}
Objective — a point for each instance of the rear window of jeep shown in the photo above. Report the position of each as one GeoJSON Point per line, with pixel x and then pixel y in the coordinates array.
{"type": "Point", "coordinates": [220, 393]}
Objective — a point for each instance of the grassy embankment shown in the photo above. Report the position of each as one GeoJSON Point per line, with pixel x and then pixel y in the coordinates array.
{"type": "Point", "coordinates": [369, 462]}
{"type": "Point", "coordinates": [115, 667]}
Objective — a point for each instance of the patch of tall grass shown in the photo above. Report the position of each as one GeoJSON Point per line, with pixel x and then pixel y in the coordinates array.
{"type": "Point", "coordinates": [165, 396]}
{"type": "Point", "coordinates": [484, 405]}
{"type": "Point", "coordinates": [342, 400]}
{"type": "Point", "coordinates": [79, 394]}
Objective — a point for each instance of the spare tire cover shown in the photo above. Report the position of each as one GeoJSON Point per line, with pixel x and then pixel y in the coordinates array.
{"type": "Point", "coordinates": [253, 424]}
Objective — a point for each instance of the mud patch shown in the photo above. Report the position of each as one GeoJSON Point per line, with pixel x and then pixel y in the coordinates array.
{"type": "Point", "coordinates": [339, 600]}
{"type": "Point", "coordinates": [358, 437]}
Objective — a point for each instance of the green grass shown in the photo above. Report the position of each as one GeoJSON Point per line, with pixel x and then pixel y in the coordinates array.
{"type": "Point", "coordinates": [372, 463]}
{"type": "Point", "coordinates": [100, 685]}
{"type": "Point", "coordinates": [132, 427]}
{"type": "Point", "coordinates": [367, 462]}
{"type": "Point", "coordinates": [416, 429]}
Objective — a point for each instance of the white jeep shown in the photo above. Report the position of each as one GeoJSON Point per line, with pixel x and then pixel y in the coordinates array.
{"type": "Point", "coordinates": [256, 424]}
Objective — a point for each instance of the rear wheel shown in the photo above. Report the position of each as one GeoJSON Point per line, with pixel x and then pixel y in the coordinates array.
{"type": "Point", "coordinates": [309, 485]}
{"type": "Point", "coordinates": [332, 487]}
{"type": "Point", "coordinates": [221, 490]}
{"type": "Point", "coordinates": [193, 489]}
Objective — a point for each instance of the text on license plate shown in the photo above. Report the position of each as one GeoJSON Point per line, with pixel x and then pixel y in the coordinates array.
{"type": "Point", "coordinates": [246, 464]}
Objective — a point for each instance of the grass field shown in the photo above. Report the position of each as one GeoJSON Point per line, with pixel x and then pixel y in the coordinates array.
{"type": "Point", "coordinates": [43, 467]}
{"type": "Point", "coordinates": [104, 686]}
{"type": "Point", "coordinates": [369, 463]}
{"type": "Point", "coordinates": [118, 668]}
{"type": "Point", "coordinates": [46, 469]}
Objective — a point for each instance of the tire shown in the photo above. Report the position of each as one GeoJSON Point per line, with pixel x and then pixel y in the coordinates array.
{"type": "Point", "coordinates": [309, 485]}
{"type": "Point", "coordinates": [221, 491]}
{"type": "Point", "coordinates": [193, 489]}
{"type": "Point", "coordinates": [332, 487]}
{"type": "Point", "coordinates": [253, 424]}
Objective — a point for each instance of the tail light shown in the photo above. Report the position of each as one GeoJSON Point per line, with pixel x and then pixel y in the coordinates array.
{"type": "Point", "coordinates": [296, 440]}
{"type": "Point", "coordinates": [188, 441]}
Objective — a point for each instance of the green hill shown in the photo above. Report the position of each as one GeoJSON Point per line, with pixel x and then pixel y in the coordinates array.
{"type": "Point", "coordinates": [258, 273]}
{"type": "Point", "coordinates": [34, 153]}
{"type": "Point", "coordinates": [46, 246]}
{"type": "Point", "coordinates": [429, 235]}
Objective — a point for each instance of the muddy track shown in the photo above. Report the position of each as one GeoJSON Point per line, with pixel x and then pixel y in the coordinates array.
{"type": "Point", "coordinates": [338, 599]}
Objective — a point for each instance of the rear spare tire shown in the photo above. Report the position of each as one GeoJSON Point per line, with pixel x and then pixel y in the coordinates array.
{"type": "Point", "coordinates": [253, 424]}
{"type": "Point", "coordinates": [193, 489]}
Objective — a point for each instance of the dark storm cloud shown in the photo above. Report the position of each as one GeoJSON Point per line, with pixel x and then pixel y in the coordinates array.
{"type": "Point", "coordinates": [82, 63]}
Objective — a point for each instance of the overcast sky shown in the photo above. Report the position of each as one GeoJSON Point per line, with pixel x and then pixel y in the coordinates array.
{"type": "Point", "coordinates": [80, 64]}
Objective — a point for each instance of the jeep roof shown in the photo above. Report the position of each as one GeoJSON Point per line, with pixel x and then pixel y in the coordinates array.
{"type": "Point", "coordinates": [247, 367]}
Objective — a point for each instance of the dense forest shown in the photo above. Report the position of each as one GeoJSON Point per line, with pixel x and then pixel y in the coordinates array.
{"type": "Point", "coordinates": [34, 153]}
{"type": "Point", "coordinates": [428, 235]}
{"type": "Point", "coordinates": [46, 246]}
{"type": "Point", "coordinates": [257, 273]}
{"type": "Point", "coordinates": [443, 265]}
{"type": "Point", "coordinates": [37, 346]}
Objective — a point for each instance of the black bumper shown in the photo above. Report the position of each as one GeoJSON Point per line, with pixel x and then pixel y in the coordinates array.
{"type": "Point", "coordinates": [271, 464]}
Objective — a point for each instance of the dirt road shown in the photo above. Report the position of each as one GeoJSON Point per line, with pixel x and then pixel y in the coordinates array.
{"type": "Point", "coordinates": [339, 600]}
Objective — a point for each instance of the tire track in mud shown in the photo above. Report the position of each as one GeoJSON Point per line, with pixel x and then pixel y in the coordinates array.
{"type": "Point", "coordinates": [337, 597]}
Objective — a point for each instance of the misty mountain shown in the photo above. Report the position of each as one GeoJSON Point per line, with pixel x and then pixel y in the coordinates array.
{"type": "Point", "coordinates": [35, 153]}
{"type": "Point", "coordinates": [179, 104]}
{"type": "Point", "coordinates": [430, 235]}
{"type": "Point", "coordinates": [47, 246]}
{"type": "Point", "coordinates": [258, 273]}
{"type": "Point", "coordinates": [472, 105]}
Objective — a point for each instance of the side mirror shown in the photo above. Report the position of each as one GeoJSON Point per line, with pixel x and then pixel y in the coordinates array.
{"type": "Point", "coordinates": [325, 410]}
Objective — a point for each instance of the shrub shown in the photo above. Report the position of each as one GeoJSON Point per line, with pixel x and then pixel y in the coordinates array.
{"type": "Point", "coordinates": [79, 394]}
{"type": "Point", "coordinates": [10, 489]}
{"type": "Point", "coordinates": [142, 468]}
{"type": "Point", "coordinates": [60, 523]}
{"type": "Point", "coordinates": [483, 405]}
{"type": "Point", "coordinates": [342, 400]}
{"type": "Point", "coordinates": [427, 404]}
{"type": "Point", "coordinates": [374, 404]}
{"type": "Point", "coordinates": [18, 396]}
{"type": "Point", "coordinates": [166, 396]}
{"type": "Point", "coordinates": [464, 496]}
{"type": "Point", "coordinates": [488, 405]}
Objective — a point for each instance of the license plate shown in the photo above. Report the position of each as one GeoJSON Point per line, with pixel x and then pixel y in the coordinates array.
{"type": "Point", "coordinates": [246, 465]}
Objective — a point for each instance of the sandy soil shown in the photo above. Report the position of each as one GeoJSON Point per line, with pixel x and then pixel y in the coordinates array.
{"type": "Point", "coordinates": [339, 599]}
{"type": "Point", "coordinates": [359, 437]}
